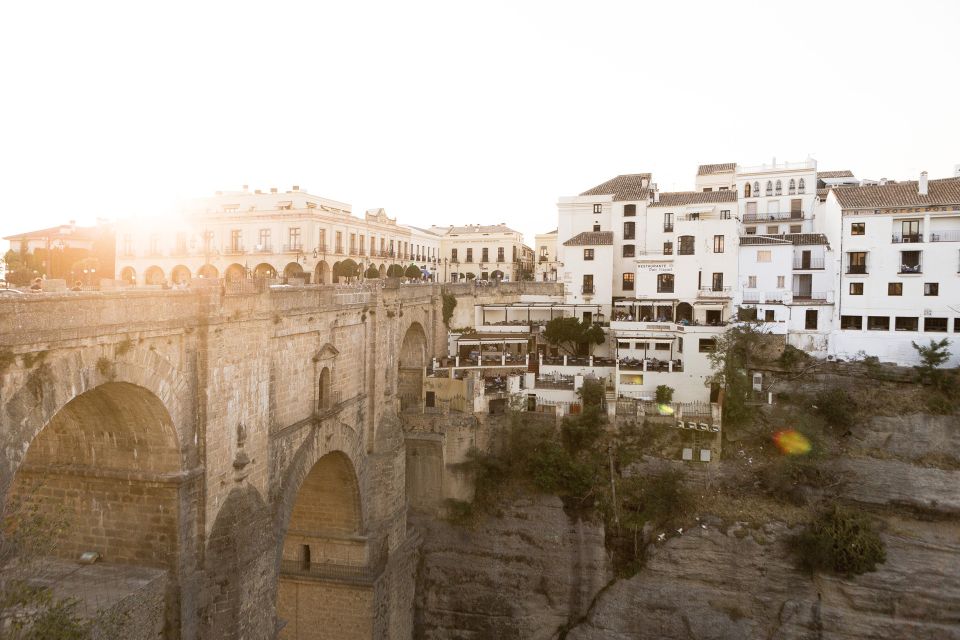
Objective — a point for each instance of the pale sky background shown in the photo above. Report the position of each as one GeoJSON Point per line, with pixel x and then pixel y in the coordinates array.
{"type": "Point", "coordinates": [454, 112]}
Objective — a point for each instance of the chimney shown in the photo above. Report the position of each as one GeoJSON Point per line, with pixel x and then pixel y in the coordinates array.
{"type": "Point", "coordinates": [922, 186]}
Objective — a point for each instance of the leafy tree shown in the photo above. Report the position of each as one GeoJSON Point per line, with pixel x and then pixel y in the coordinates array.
{"type": "Point", "coordinates": [22, 268]}
{"type": "Point", "coordinates": [394, 271]}
{"type": "Point", "coordinates": [841, 541]}
{"type": "Point", "coordinates": [931, 357]}
{"type": "Point", "coordinates": [346, 269]}
{"type": "Point", "coordinates": [580, 431]}
{"type": "Point", "coordinates": [413, 271]}
{"type": "Point", "coordinates": [449, 304]}
{"type": "Point", "coordinates": [737, 351]}
{"type": "Point", "coordinates": [372, 273]}
{"type": "Point", "coordinates": [569, 333]}
{"type": "Point", "coordinates": [664, 394]}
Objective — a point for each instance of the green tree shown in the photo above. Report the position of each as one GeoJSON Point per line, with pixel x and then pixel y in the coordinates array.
{"type": "Point", "coordinates": [664, 394]}
{"type": "Point", "coordinates": [931, 357]}
{"type": "Point", "coordinates": [22, 268]}
{"type": "Point", "coordinates": [579, 431]}
{"type": "Point", "coordinates": [371, 273]}
{"type": "Point", "coordinates": [346, 269]}
{"type": "Point", "coordinates": [841, 541]}
{"type": "Point", "coordinates": [737, 351]}
{"type": "Point", "coordinates": [569, 333]}
{"type": "Point", "coordinates": [413, 271]}
{"type": "Point", "coordinates": [449, 304]}
{"type": "Point", "coordinates": [394, 271]}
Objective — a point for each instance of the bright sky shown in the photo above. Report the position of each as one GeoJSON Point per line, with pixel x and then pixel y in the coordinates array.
{"type": "Point", "coordinates": [454, 112]}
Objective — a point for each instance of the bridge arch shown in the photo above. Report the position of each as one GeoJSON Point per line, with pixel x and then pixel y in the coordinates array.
{"type": "Point", "coordinates": [411, 360]}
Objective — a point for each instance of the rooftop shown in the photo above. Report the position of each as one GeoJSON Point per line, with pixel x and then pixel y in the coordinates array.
{"type": "Point", "coordinates": [64, 231]}
{"type": "Point", "coordinates": [711, 169]}
{"type": "Point", "coordinates": [471, 228]}
{"type": "Point", "coordinates": [680, 198]}
{"type": "Point", "coordinates": [590, 238]}
{"type": "Point", "coordinates": [786, 238]}
{"type": "Point", "coordinates": [628, 187]}
{"type": "Point", "coordinates": [843, 173]}
{"type": "Point", "coordinates": [900, 194]}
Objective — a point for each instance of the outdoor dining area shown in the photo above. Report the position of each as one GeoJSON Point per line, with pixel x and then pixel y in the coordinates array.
{"type": "Point", "coordinates": [650, 364]}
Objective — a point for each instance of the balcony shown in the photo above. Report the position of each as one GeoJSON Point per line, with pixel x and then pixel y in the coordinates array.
{"type": "Point", "coordinates": [587, 289]}
{"type": "Point", "coordinates": [906, 238]}
{"type": "Point", "coordinates": [293, 248]}
{"type": "Point", "coordinates": [812, 296]}
{"type": "Point", "coordinates": [775, 215]}
{"type": "Point", "coordinates": [668, 228]}
{"type": "Point", "coordinates": [857, 269]}
{"type": "Point", "coordinates": [945, 236]}
{"type": "Point", "coordinates": [322, 247]}
{"type": "Point", "coordinates": [339, 249]}
{"type": "Point", "coordinates": [714, 292]}
{"type": "Point", "coordinates": [235, 250]}
{"type": "Point", "coordinates": [264, 248]}
{"type": "Point", "coordinates": [910, 269]}
{"type": "Point", "coordinates": [812, 262]}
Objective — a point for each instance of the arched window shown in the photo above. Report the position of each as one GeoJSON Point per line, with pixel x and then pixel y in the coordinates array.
{"type": "Point", "coordinates": [793, 186]}
{"type": "Point", "coordinates": [769, 188]}
{"type": "Point", "coordinates": [746, 190]}
{"type": "Point", "coordinates": [756, 189]}
{"type": "Point", "coordinates": [803, 186]}
{"type": "Point", "coordinates": [324, 395]}
{"type": "Point", "coordinates": [779, 188]}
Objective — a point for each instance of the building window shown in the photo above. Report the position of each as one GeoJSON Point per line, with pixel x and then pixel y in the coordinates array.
{"type": "Point", "coordinates": [154, 245]}
{"type": "Point", "coordinates": [339, 241]}
{"type": "Point", "coordinates": [773, 230]}
{"type": "Point", "coordinates": [628, 250]}
{"type": "Point", "coordinates": [598, 208]}
{"type": "Point", "coordinates": [181, 243]}
{"type": "Point", "coordinates": [629, 210]}
{"type": "Point", "coordinates": [858, 228]}
{"type": "Point", "coordinates": [802, 186]}
{"type": "Point", "coordinates": [764, 256]}
{"type": "Point", "coordinates": [484, 254]}
{"type": "Point", "coordinates": [236, 240]}
{"type": "Point", "coordinates": [768, 316]}
{"type": "Point", "coordinates": [588, 254]}
{"type": "Point", "coordinates": [746, 190]}
{"type": "Point", "coordinates": [756, 189]}
{"type": "Point", "coordinates": [904, 323]}
{"type": "Point", "coordinates": [453, 255]}
{"type": "Point", "coordinates": [796, 228]}
{"type": "Point", "coordinates": [707, 345]}
{"type": "Point", "coordinates": [668, 248]}
{"type": "Point", "coordinates": [937, 325]}
{"type": "Point", "coordinates": [909, 231]}
{"type": "Point", "coordinates": [779, 188]}
{"type": "Point", "coordinates": [717, 282]}
{"type": "Point", "coordinates": [878, 323]}
{"type": "Point", "coordinates": [668, 222]}
{"type": "Point", "coordinates": [470, 254]}
{"type": "Point", "coordinates": [587, 283]}
{"type": "Point", "coordinates": [810, 321]}
{"type": "Point", "coordinates": [629, 229]}
{"type": "Point", "coordinates": [664, 283]}
{"type": "Point", "coordinates": [751, 282]}
{"type": "Point", "coordinates": [751, 231]}
{"type": "Point", "coordinates": [769, 188]}
{"type": "Point", "coordinates": [851, 322]}
{"type": "Point", "coordinates": [910, 262]}
{"type": "Point", "coordinates": [264, 239]}
{"type": "Point", "coordinates": [781, 282]}
{"type": "Point", "coordinates": [641, 345]}
{"type": "Point", "coordinates": [857, 262]}
{"type": "Point", "coordinates": [931, 288]}
{"type": "Point", "coordinates": [792, 188]}
{"type": "Point", "coordinates": [293, 235]}
{"type": "Point", "coordinates": [856, 288]}
{"type": "Point", "coordinates": [596, 228]}
{"type": "Point", "coordinates": [686, 245]}
{"type": "Point", "coordinates": [894, 288]}
{"type": "Point", "coordinates": [500, 254]}
{"type": "Point", "coordinates": [718, 244]}
{"type": "Point", "coordinates": [724, 214]}
{"type": "Point", "coordinates": [628, 282]}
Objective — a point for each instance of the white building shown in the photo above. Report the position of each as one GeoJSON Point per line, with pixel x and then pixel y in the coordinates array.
{"type": "Point", "coordinates": [270, 234]}
{"type": "Point", "coordinates": [547, 262]}
{"type": "Point", "coordinates": [482, 252]}
{"type": "Point", "coordinates": [896, 268]}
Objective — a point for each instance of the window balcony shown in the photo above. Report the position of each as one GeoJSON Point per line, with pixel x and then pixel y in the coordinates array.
{"type": "Point", "coordinates": [667, 228]}
{"type": "Point", "coordinates": [235, 250]}
{"type": "Point", "coordinates": [901, 238]}
{"type": "Point", "coordinates": [812, 262]}
{"type": "Point", "coordinates": [293, 248]}
{"type": "Point", "coordinates": [587, 289]}
{"type": "Point", "coordinates": [945, 236]}
{"type": "Point", "coordinates": [857, 269]}
{"type": "Point", "coordinates": [811, 296]}
{"type": "Point", "coordinates": [714, 292]}
{"type": "Point", "coordinates": [775, 215]}
{"type": "Point", "coordinates": [910, 269]}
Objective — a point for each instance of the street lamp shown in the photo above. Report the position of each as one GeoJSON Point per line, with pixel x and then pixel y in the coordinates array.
{"type": "Point", "coordinates": [88, 273]}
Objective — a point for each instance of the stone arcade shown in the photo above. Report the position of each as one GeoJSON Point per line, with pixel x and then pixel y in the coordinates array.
{"type": "Point", "coordinates": [245, 448]}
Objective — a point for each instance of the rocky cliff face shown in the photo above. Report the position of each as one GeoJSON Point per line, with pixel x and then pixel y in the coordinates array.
{"type": "Point", "coordinates": [535, 574]}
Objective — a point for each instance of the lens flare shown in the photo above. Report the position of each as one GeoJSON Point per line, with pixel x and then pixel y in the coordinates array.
{"type": "Point", "coordinates": [791, 442]}
{"type": "Point", "coordinates": [664, 409]}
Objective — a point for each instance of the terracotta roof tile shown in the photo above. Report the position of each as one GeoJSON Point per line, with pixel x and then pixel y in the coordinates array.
{"type": "Point", "coordinates": [805, 238]}
{"type": "Point", "coordinates": [680, 198]}
{"type": "Point", "coordinates": [710, 169]}
{"type": "Point", "coordinates": [590, 239]}
{"type": "Point", "coordinates": [901, 194]}
{"type": "Point", "coordinates": [748, 240]}
{"type": "Point", "coordinates": [629, 187]}
{"type": "Point", "coordinates": [843, 173]}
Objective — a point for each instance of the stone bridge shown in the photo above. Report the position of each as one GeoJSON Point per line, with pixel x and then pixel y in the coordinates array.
{"type": "Point", "coordinates": [243, 446]}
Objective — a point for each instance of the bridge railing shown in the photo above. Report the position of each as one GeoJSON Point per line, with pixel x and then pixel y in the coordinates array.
{"type": "Point", "coordinates": [336, 571]}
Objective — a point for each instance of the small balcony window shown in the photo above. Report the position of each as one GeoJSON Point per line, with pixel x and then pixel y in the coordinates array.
{"type": "Point", "coordinates": [906, 323]}
{"type": "Point", "coordinates": [851, 322]}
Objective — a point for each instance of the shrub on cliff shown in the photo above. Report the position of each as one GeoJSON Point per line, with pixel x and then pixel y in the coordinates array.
{"type": "Point", "coordinates": [842, 541]}
{"type": "Point", "coordinates": [838, 408]}
{"type": "Point", "coordinates": [449, 304]}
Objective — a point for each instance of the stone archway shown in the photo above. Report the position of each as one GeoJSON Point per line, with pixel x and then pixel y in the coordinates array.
{"type": "Point", "coordinates": [322, 275]}
{"type": "Point", "coordinates": [264, 270]}
{"type": "Point", "coordinates": [153, 275]}
{"type": "Point", "coordinates": [235, 273]}
{"type": "Point", "coordinates": [326, 560]}
{"type": "Point", "coordinates": [208, 271]}
{"type": "Point", "coordinates": [180, 274]}
{"type": "Point", "coordinates": [411, 363]}
{"type": "Point", "coordinates": [128, 275]}
{"type": "Point", "coordinates": [293, 270]}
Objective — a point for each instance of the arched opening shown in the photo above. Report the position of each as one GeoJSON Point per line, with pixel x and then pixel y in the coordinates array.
{"type": "Point", "coordinates": [496, 275]}
{"type": "Point", "coordinates": [684, 312]}
{"type": "Point", "coordinates": [208, 271]}
{"type": "Point", "coordinates": [264, 270]}
{"type": "Point", "coordinates": [803, 186]}
{"type": "Point", "coordinates": [756, 189]}
{"type": "Point", "coordinates": [129, 276]}
{"type": "Point", "coordinates": [792, 186]}
{"type": "Point", "coordinates": [411, 363]}
{"type": "Point", "coordinates": [293, 270]}
{"type": "Point", "coordinates": [324, 397]}
{"type": "Point", "coordinates": [746, 190]}
{"type": "Point", "coordinates": [326, 559]}
{"type": "Point", "coordinates": [108, 466]}
{"type": "Point", "coordinates": [180, 274]}
{"type": "Point", "coordinates": [383, 270]}
{"type": "Point", "coordinates": [779, 188]}
{"type": "Point", "coordinates": [322, 275]}
{"type": "Point", "coordinates": [335, 273]}
{"type": "Point", "coordinates": [235, 273]}
{"type": "Point", "coordinates": [769, 188]}
{"type": "Point", "coordinates": [154, 275]}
